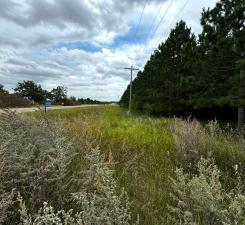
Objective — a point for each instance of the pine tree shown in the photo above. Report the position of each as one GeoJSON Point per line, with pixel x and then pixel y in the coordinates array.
{"type": "Point", "coordinates": [165, 84]}
{"type": "Point", "coordinates": [178, 55]}
{"type": "Point", "coordinates": [222, 46]}
{"type": "Point", "coordinates": [186, 76]}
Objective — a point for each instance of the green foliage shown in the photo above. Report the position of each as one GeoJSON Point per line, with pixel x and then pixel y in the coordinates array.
{"type": "Point", "coordinates": [186, 75]}
{"type": "Point", "coordinates": [59, 93]}
{"type": "Point", "coordinates": [31, 91]}
{"type": "Point", "coordinates": [39, 161]}
{"type": "Point", "coordinates": [88, 101]}
{"type": "Point", "coordinates": [28, 92]}
{"type": "Point", "coordinates": [147, 150]}
{"type": "Point", "coordinates": [167, 79]}
{"type": "Point", "coordinates": [143, 152]}
{"type": "Point", "coordinates": [139, 146]}
{"type": "Point", "coordinates": [201, 198]}
{"type": "Point", "coordinates": [97, 202]}
{"type": "Point", "coordinates": [221, 45]}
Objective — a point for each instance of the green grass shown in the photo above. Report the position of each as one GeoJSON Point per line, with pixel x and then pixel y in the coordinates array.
{"type": "Point", "coordinates": [143, 152]}
{"type": "Point", "coordinates": [139, 147]}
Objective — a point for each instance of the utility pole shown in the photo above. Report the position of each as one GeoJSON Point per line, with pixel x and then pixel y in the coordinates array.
{"type": "Point", "coordinates": [131, 83]}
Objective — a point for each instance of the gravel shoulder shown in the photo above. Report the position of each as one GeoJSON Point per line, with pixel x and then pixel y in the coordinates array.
{"type": "Point", "coordinates": [33, 109]}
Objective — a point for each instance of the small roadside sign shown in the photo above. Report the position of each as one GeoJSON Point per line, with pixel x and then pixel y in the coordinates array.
{"type": "Point", "coordinates": [47, 103]}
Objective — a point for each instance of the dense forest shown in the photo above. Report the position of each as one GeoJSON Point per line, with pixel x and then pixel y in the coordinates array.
{"type": "Point", "coordinates": [199, 76]}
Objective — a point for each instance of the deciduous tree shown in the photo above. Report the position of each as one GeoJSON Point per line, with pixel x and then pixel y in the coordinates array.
{"type": "Point", "coordinates": [31, 91]}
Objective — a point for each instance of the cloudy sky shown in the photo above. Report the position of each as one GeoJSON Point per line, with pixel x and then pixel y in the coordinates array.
{"type": "Point", "coordinates": [85, 44]}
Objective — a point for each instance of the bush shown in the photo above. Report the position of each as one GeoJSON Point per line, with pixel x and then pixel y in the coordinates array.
{"type": "Point", "coordinates": [201, 199]}
{"type": "Point", "coordinates": [70, 102]}
{"type": "Point", "coordinates": [39, 161]}
{"type": "Point", "coordinates": [144, 150]}
{"type": "Point", "coordinates": [98, 202]}
{"type": "Point", "coordinates": [34, 156]}
{"type": "Point", "coordinates": [13, 100]}
{"type": "Point", "coordinates": [6, 201]}
{"type": "Point", "coordinates": [191, 140]}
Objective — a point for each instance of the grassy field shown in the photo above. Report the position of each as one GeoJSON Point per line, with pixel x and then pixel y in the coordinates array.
{"type": "Point", "coordinates": [145, 152]}
{"type": "Point", "coordinates": [139, 147]}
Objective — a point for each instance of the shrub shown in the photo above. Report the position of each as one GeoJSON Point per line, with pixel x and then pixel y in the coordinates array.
{"type": "Point", "coordinates": [13, 100]}
{"type": "Point", "coordinates": [201, 198]}
{"type": "Point", "coordinates": [70, 102]}
{"type": "Point", "coordinates": [6, 201]}
{"type": "Point", "coordinates": [45, 215]}
{"type": "Point", "coordinates": [191, 141]}
{"type": "Point", "coordinates": [98, 202]}
{"type": "Point", "coordinates": [39, 161]}
{"type": "Point", "coordinates": [144, 151]}
{"type": "Point", "coordinates": [34, 156]}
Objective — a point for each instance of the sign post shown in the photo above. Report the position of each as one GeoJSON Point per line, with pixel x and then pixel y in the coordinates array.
{"type": "Point", "coordinates": [47, 103]}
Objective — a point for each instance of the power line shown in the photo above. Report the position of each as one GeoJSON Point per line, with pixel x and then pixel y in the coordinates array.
{"type": "Point", "coordinates": [140, 19]}
{"type": "Point", "coordinates": [153, 21]}
{"type": "Point", "coordinates": [141, 51]}
{"type": "Point", "coordinates": [173, 21]}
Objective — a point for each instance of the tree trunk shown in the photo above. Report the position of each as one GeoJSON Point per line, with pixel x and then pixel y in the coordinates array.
{"type": "Point", "coordinates": [240, 118]}
{"type": "Point", "coordinates": [240, 121]}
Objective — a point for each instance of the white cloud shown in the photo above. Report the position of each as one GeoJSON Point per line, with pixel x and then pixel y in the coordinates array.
{"type": "Point", "coordinates": [32, 30]}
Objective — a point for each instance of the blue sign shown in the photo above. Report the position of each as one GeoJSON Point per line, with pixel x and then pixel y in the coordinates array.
{"type": "Point", "coordinates": [47, 103]}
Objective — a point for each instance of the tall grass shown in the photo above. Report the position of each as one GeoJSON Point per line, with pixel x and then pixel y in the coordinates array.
{"type": "Point", "coordinates": [146, 152]}
{"type": "Point", "coordinates": [139, 147]}
{"type": "Point", "coordinates": [40, 163]}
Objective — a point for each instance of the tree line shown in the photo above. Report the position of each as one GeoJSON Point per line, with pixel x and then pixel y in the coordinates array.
{"type": "Point", "coordinates": [202, 75]}
{"type": "Point", "coordinates": [28, 92]}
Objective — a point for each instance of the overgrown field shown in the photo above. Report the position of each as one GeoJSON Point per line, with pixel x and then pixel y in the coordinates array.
{"type": "Point", "coordinates": [171, 171]}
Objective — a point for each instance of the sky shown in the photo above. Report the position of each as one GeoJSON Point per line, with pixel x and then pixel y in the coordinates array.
{"type": "Point", "coordinates": [86, 44]}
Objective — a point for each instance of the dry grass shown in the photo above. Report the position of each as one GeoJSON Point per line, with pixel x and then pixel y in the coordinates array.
{"type": "Point", "coordinates": [146, 152]}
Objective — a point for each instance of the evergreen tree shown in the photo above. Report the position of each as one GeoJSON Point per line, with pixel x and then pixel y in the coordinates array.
{"type": "Point", "coordinates": [186, 76]}
{"type": "Point", "coordinates": [166, 81]}
{"type": "Point", "coordinates": [222, 49]}
{"type": "Point", "coordinates": [178, 59]}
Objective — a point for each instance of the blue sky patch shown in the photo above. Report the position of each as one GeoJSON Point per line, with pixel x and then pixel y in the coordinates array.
{"type": "Point", "coordinates": [86, 46]}
{"type": "Point", "coordinates": [134, 36]}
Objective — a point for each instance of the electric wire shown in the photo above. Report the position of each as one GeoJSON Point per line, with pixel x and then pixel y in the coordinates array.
{"type": "Point", "coordinates": [171, 24]}
{"type": "Point", "coordinates": [154, 20]}
{"type": "Point", "coordinates": [173, 21]}
{"type": "Point", "coordinates": [140, 19]}
{"type": "Point", "coordinates": [141, 51]}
